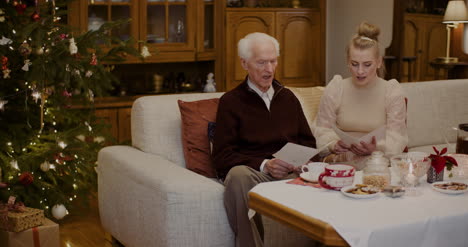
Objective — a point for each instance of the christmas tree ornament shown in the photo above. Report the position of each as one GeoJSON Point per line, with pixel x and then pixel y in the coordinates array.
{"type": "Point", "coordinates": [63, 36]}
{"type": "Point", "coordinates": [59, 211]}
{"type": "Point", "coordinates": [90, 95]}
{"type": "Point", "coordinates": [93, 59]}
{"type": "Point", "coordinates": [26, 178]}
{"type": "Point", "coordinates": [5, 41]}
{"type": "Point", "coordinates": [80, 137]}
{"type": "Point", "coordinates": [25, 49]}
{"type": "Point", "coordinates": [4, 63]}
{"type": "Point", "coordinates": [99, 139]}
{"type": "Point", "coordinates": [25, 67]}
{"type": "Point", "coordinates": [89, 73]}
{"type": "Point", "coordinates": [45, 166]}
{"type": "Point", "coordinates": [6, 73]}
{"type": "Point", "coordinates": [62, 144]}
{"type": "Point", "coordinates": [2, 17]}
{"type": "Point", "coordinates": [14, 164]}
{"type": "Point", "coordinates": [2, 104]}
{"type": "Point", "coordinates": [66, 94]}
{"type": "Point", "coordinates": [36, 95]}
{"type": "Point", "coordinates": [35, 16]}
{"type": "Point", "coordinates": [145, 52]}
{"type": "Point", "coordinates": [20, 8]}
{"type": "Point", "coordinates": [40, 51]}
{"type": "Point", "coordinates": [72, 47]}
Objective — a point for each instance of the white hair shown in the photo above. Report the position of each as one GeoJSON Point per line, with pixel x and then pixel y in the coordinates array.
{"type": "Point", "coordinates": [244, 46]}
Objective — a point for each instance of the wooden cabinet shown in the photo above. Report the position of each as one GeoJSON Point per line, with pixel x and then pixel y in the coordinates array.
{"type": "Point", "coordinates": [116, 112]}
{"type": "Point", "coordinates": [425, 37]}
{"type": "Point", "coordinates": [300, 33]}
{"type": "Point", "coordinates": [175, 30]}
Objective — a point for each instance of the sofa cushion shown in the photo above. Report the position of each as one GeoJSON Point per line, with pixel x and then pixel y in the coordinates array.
{"type": "Point", "coordinates": [434, 109]}
{"type": "Point", "coordinates": [309, 97]}
{"type": "Point", "coordinates": [196, 116]}
{"type": "Point", "coordinates": [156, 125]}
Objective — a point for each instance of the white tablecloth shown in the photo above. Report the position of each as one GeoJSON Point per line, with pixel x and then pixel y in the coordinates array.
{"type": "Point", "coordinates": [431, 219]}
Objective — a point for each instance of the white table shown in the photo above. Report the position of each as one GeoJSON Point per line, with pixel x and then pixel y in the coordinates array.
{"type": "Point", "coordinates": [431, 219]}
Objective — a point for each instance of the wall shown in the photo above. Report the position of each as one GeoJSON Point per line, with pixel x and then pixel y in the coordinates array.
{"type": "Point", "coordinates": [343, 17]}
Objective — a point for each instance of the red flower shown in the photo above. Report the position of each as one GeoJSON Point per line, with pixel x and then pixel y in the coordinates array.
{"type": "Point", "coordinates": [440, 160]}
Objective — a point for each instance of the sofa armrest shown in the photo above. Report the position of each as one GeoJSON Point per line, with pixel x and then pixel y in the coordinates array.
{"type": "Point", "coordinates": [175, 206]}
{"type": "Point", "coordinates": [154, 171]}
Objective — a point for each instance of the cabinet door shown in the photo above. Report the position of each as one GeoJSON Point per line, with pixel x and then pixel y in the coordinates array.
{"type": "Point", "coordinates": [426, 38]}
{"type": "Point", "coordinates": [168, 26]}
{"type": "Point", "coordinates": [239, 24]}
{"type": "Point", "coordinates": [100, 11]}
{"type": "Point", "coordinates": [125, 131]}
{"type": "Point", "coordinates": [411, 47]}
{"type": "Point", "coordinates": [300, 61]}
{"type": "Point", "coordinates": [435, 45]}
{"type": "Point", "coordinates": [109, 116]}
{"type": "Point", "coordinates": [206, 29]}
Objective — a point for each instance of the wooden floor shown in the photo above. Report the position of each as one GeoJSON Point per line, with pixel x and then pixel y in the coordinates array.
{"type": "Point", "coordinates": [83, 229]}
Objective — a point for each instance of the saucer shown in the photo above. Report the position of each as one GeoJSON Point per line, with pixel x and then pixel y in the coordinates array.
{"type": "Point", "coordinates": [306, 176]}
{"type": "Point", "coordinates": [345, 192]}
{"type": "Point", "coordinates": [445, 190]}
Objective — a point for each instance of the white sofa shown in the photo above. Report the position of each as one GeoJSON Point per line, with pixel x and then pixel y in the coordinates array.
{"type": "Point", "coordinates": [148, 198]}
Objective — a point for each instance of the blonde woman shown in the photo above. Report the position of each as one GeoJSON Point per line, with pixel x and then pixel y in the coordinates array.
{"type": "Point", "coordinates": [360, 104]}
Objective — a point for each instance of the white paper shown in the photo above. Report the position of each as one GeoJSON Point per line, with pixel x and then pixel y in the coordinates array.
{"type": "Point", "coordinates": [295, 154]}
{"type": "Point", "coordinates": [379, 134]}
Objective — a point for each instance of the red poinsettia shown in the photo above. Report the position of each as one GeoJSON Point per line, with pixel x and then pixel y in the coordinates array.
{"type": "Point", "coordinates": [440, 160]}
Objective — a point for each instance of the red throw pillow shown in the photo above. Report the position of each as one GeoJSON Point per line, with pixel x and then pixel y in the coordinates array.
{"type": "Point", "coordinates": [195, 117]}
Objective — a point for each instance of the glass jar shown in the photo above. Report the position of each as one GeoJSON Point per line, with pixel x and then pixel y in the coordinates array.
{"type": "Point", "coordinates": [462, 139]}
{"type": "Point", "coordinates": [376, 172]}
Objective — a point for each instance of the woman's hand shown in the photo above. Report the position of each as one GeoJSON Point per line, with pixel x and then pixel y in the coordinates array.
{"type": "Point", "coordinates": [341, 147]}
{"type": "Point", "coordinates": [363, 148]}
{"type": "Point", "coordinates": [278, 169]}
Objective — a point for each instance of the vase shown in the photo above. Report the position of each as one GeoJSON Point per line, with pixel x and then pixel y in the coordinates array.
{"type": "Point", "coordinates": [433, 176]}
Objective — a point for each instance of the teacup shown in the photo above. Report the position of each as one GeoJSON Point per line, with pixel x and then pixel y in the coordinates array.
{"type": "Point", "coordinates": [337, 176]}
{"type": "Point", "coordinates": [311, 171]}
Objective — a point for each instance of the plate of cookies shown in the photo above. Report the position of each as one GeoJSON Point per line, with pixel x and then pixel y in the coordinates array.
{"type": "Point", "coordinates": [450, 187]}
{"type": "Point", "coordinates": [360, 191]}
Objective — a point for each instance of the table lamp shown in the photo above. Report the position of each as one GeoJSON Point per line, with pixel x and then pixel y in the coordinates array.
{"type": "Point", "coordinates": [455, 13]}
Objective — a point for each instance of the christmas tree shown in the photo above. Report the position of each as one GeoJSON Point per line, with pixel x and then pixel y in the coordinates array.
{"type": "Point", "coordinates": [50, 74]}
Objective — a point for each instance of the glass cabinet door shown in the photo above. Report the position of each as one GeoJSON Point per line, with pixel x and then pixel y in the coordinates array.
{"type": "Point", "coordinates": [209, 12]}
{"type": "Point", "coordinates": [166, 21]}
{"type": "Point", "coordinates": [100, 11]}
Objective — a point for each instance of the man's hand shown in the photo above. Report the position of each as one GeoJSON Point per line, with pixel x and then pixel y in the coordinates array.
{"type": "Point", "coordinates": [341, 147]}
{"type": "Point", "coordinates": [278, 168]}
{"type": "Point", "coordinates": [363, 148]}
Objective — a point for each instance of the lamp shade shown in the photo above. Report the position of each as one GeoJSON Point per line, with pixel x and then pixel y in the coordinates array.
{"type": "Point", "coordinates": [456, 12]}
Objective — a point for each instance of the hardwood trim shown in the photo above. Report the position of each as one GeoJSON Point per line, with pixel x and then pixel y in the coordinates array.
{"type": "Point", "coordinates": [313, 228]}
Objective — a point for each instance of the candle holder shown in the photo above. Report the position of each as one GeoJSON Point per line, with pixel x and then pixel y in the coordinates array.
{"type": "Point", "coordinates": [410, 168]}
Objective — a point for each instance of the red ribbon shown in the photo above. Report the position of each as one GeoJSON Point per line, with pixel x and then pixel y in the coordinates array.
{"type": "Point", "coordinates": [11, 207]}
{"type": "Point", "coordinates": [35, 232]}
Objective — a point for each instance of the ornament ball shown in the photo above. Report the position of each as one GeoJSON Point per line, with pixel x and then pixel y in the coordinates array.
{"type": "Point", "coordinates": [59, 211]}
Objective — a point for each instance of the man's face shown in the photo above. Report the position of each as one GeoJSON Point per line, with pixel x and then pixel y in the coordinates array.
{"type": "Point", "coordinates": [261, 65]}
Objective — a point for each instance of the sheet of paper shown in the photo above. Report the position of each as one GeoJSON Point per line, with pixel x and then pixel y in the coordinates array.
{"type": "Point", "coordinates": [295, 154]}
{"type": "Point", "coordinates": [379, 134]}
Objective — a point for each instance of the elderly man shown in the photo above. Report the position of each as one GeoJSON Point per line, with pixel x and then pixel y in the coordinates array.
{"type": "Point", "coordinates": [255, 120]}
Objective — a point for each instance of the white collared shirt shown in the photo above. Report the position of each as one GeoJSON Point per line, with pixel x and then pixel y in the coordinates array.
{"type": "Point", "coordinates": [266, 96]}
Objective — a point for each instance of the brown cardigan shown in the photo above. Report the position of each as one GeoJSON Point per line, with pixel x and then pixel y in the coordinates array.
{"type": "Point", "coordinates": [247, 133]}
